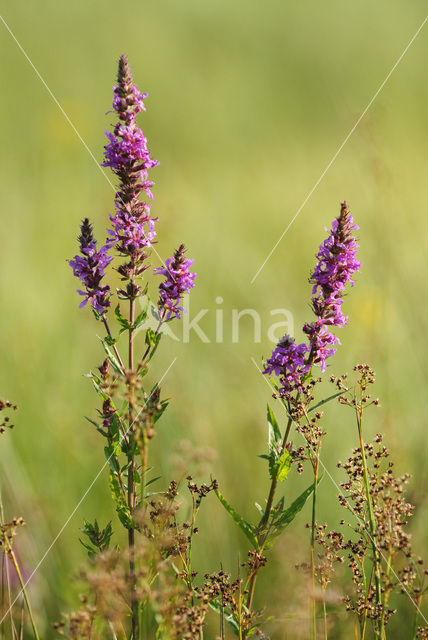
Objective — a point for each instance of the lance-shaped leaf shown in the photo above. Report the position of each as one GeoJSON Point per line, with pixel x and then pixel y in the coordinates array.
{"type": "Point", "coordinates": [282, 466]}
{"type": "Point", "coordinates": [121, 507]}
{"type": "Point", "coordinates": [320, 404]}
{"type": "Point", "coordinates": [98, 427]}
{"type": "Point", "coordinates": [152, 340]}
{"type": "Point", "coordinates": [111, 357]}
{"type": "Point", "coordinates": [99, 538]}
{"type": "Point", "coordinates": [243, 524]}
{"type": "Point", "coordinates": [275, 436]}
{"type": "Point", "coordinates": [124, 323]}
{"type": "Point", "coordinates": [282, 518]}
{"type": "Point", "coordinates": [142, 315]}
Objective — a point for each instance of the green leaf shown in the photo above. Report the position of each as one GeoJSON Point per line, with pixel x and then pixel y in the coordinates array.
{"type": "Point", "coordinates": [111, 357]}
{"type": "Point", "coordinates": [152, 480]}
{"type": "Point", "coordinates": [163, 406]}
{"type": "Point", "coordinates": [99, 538]}
{"type": "Point", "coordinates": [283, 465]}
{"type": "Point", "coordinates": [141, 316]}
{"type": "Point", "coordinates": [98, 427]}
{"type": "Point", "coordinates": [150, 337]}
{"type": "Point", "coordinates": [109, 453]}
{"type": "Point", "coordinates": [97, 315]}
{"type": "Point", "coordinates": [320, 404]}
{"type": "Point", "coordinates": [152, 340]}
{"type": "Point", "coordinates": [121, 507]}
{"type": "Point", "coordinates": [96, 382]}
{"type": "Point", "coordinates": [274, 430]}
{"type": "Point", "coordinates": [243, 524]}
{"type": "Point", "coordinates": [288, 515]}
{"type": "Point", "coordinates": [124, 323]}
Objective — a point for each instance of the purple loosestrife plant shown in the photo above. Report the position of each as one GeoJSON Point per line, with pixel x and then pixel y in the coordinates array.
{"type": "Point", "coordinates": [129, 410]}
{"type": "Point", "coordinates": [292, 366]}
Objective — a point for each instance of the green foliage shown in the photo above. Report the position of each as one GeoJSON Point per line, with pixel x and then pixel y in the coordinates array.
{"type": "Point", "coordinates": [275, 437]}
{"type": "Point", "coordinates": [282, 517]}
{"type": "Point", "coordinates": [322, 402]}
{"type": "Point", "coordinates": [122, 508]}
{"type": "Point", "coordinates": [141, 317]}
{"type": "Point", "coordinates": [281, 466]}
{"type": "Point", "coordinates": [106, 342]}
{"type": "Point", "coordinates": [279, 461]}
{"type": "Point", "coordinates": [245, 526]}
{"type": "Point", "coordinates": [123, 322]}
{"type": "Point", "coordinates": [229, 617]}
{"type": "Point", "coordinates": [99, 538]}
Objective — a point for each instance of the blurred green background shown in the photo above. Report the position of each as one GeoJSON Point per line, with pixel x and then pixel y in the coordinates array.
{"type": "Point", "coordinates": [247, 104]}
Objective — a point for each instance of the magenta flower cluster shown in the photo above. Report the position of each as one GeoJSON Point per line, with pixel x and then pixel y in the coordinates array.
{"type": "Point", "coordinates": [128, 155]}
{"type": "Point", "coordinates": [133, 228]}
{"type": "Point", "coordinates": [89, 268]}
{"type": "Point", "coordinates": [336, 264]}
{"type": "Point", "coordinates": [178, 280]}
{"type": "Point", "coordinates": [288, 363]}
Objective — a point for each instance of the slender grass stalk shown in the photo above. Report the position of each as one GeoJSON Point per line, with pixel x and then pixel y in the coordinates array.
{"type": "Point", "coordinates": [363, 624]}
{"type": "Point", "coordinates": [372, 521]}
{"type": "Point", "coordinates": [6, 571]}
{"type": "Point", "coordinates": [241, 636]}
{"type": "Point", "coordinates": [12, 556]}
{"type": "Point", "coordinates": [312, 545]}
{"type": "Point", "coordinates": [324, 613]}
{"type": "Point", "coordinates": [415, 619]}
{"type": "Point", "coordinates": [385, 598]}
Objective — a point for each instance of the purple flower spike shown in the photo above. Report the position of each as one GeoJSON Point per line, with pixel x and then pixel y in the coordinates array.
{"type": "Point", "coordinates": [178, 280]}
{"type": "Point", "coordinates": [337, 262]}
{"type": "Point", "coordinates": [127, 154]}
{"type": "Point", "coordinates": [89, 268]}
{"type": "Point", "coordinates": [288, 363]}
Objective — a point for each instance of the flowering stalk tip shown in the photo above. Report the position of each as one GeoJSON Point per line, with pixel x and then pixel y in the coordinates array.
{"type": "Point", "coordinates": [178, 280]}
{"type": "Point", "coordinates": [89, 268]}
{"type": "Point", "coordinates": [336, 264]}
{"type": "Point", "coordinates": [127, 154]}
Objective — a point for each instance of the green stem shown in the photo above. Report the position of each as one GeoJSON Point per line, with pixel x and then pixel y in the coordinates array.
{"type": "Point", "coordinates": [12, 556]}
{"type": "Point", "coordinates": [386, 598]}
{"type": "Point", "coordinates": [415, 620]}
{"type": "Point", "coordinates": [274, 483]}
{"type": "Point", "coordinates": [324, 613]}
{"type": "Point", "coordinates": [372, 520]}
{"type": "Point", "coordinates": [363, 624]}
{"type": "Point", "coordinates": [312, 546]}
{"type": "Point", "coordinates": [131, 469]}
